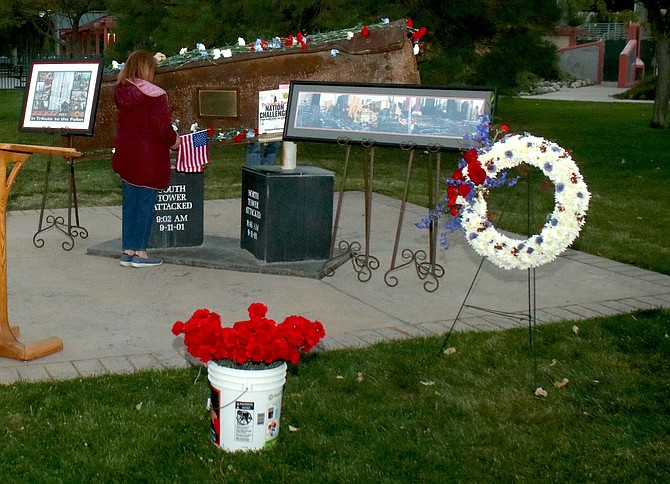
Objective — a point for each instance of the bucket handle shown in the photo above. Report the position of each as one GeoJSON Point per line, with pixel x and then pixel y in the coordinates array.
{"type": "Point", "coordinates": [229, 403]}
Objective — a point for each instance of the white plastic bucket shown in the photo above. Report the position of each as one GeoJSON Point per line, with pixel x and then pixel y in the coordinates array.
{"type": "Point", "coordinates": [245, 406]}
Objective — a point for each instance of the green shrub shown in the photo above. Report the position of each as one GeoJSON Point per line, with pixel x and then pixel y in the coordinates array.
{"type": "Point", "coordinates": [513, 57]}
{"type": "Point", "coordinates": [525, 80]}
{"type": "Point", "coordinates": [644, 90]}
{"type": "Point", "coordinates": [441, 68]}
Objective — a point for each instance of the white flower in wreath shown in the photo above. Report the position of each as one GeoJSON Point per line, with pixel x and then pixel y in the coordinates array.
{"type": "Point", "coordinates": [563, 225]}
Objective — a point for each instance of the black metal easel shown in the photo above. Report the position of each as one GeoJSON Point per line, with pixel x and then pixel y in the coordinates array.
{"type": "Point", "coordinates": [70, 230]}
{"type": "Point", "coordinates": [363, 262]}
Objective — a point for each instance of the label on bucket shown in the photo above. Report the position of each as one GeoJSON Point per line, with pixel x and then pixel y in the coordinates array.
{"type": "Point", "coordinates": [215, 415]}
{"type": "Point", "coordinates": [244, 420]}
{"type": "Point", "coordinates": [272, 428]}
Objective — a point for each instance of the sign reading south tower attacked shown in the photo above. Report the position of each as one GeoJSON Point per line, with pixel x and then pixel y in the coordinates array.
{"type": "Point", "coordinates": [178, 219]}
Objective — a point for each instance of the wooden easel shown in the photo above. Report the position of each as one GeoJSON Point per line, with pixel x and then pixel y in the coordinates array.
{"type": "Point", "coordinates": [10, 346]}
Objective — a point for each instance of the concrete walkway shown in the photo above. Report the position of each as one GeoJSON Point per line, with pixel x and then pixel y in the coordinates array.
{"type": "Point", "coordinates": [603, 92]}
{"type": "Point", "coordinates": [114, 319]}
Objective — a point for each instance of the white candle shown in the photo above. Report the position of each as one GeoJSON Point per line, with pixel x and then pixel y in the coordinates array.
{"type": "Point", "coordinates": [289, 152]}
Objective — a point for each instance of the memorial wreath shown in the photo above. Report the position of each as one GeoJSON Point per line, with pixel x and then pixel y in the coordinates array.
{"type": "Point", "coordinates": [484, 168]}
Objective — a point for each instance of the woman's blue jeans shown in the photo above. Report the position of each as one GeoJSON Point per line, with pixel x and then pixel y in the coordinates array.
{"type": "Point", "coordinates": [139, 204]}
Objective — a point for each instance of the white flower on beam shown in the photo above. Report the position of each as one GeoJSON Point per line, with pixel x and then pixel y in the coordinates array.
{"type": "Point", "coordinates": [416, 49]}
{"type": "Point", "coordinates": [334, 52]}
{"type": "Point", "coordinates": [227, 53]}
{"type": "Point", "coordinates": [216, 53]}
{"type": "Point", "coordinates": [200, 47]}
{"type": "Point", "coordinates": [350, 35]}
{"type": "Point", "coordinates": [183, 51]}
{"type": "Point", "coordinates": [241, 42]}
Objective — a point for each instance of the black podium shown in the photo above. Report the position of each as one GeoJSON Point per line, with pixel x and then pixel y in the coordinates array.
{"type": "Point", "coordinates": [179, 217]}
{"type": "Point", "coordinates": [287, 215]}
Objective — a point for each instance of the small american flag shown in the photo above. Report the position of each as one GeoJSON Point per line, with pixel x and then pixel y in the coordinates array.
{"type": "Point", "coordinates": [193, 152]}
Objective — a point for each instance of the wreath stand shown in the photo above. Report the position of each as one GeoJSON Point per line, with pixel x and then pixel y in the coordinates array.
{"type": "Point", "coordinates": [531, 316]}
{"type": "Point", "coordinates": [16, 155]}
{"type": "Point", "coordinates": [49, 222]}
{"type": "Point", "coordinates": [363, 262]}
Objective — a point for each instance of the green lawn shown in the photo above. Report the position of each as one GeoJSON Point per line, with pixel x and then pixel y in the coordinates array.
{"type": "Point", "coordinates": [394, 412]}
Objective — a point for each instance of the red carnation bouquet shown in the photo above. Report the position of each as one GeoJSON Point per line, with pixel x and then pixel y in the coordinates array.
{"type": "Point", "coordinates": [256, 343]}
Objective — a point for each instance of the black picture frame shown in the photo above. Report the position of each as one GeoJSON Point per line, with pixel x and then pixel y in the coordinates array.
{"type": "Point", "coordinates": [62, 96]}
{"type": "Point", "coordinates": [386, 114]}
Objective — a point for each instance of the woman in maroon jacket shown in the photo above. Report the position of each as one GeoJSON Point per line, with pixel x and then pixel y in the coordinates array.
{"type": "Point", "coordinates": [144, 137]}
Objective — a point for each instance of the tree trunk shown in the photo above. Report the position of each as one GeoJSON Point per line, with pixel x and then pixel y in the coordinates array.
{"type": "Point", "coordinates": [660, 116]}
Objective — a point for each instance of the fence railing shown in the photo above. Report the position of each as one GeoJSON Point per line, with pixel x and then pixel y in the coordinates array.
{"type": "Point", "coordinates": [606, 31]}
{"type": "Point", "coordinates": [14, 74]}
{"type": "Point", "coordinates": [13, 77]}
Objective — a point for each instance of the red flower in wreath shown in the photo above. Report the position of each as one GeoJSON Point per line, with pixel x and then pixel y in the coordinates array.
{"type": "Point", "coordinates": [476, 173]}
{"type": "Point", "coordinates": [471, 156]}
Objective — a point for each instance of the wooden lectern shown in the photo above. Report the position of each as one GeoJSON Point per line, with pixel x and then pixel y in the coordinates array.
{"type": "Point", "coordinates": [16, 155]}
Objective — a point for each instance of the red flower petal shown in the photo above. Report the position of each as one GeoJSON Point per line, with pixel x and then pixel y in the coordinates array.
{"type": "Point", "coordinates": [464, 190]}
{"type": "Point", "coordinates": [471, 156]}
{"type": "Point", "coordinates": [240, 137]}
{"type": "Point", "coordinates": [178, 328]}
{"type": "Point", "coordinates": [365, 31]}
{"type": "Point", "coordinates": [419, 33]}
{"type": "Point", "coordinates": [257, 310]}
{"type": "Point", "coordinates": [476, 173]}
